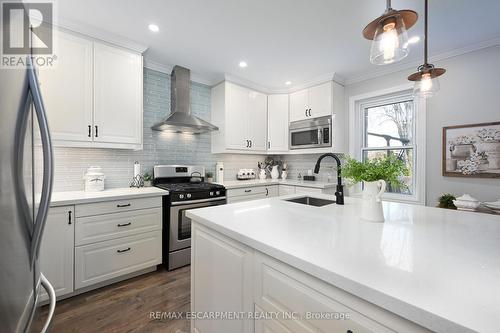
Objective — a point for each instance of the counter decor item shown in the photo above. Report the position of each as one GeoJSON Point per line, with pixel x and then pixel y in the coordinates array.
{"type": "Point", "coordinates": [493, 206]}
{"type": "Point", "coordinates": [472, 150]}
{"type": "Point", "coordinates": [262, 170]}
{"type": "Point", "coordinates": [94, 179]}
{"type": "Point", "coordinates": [219, 172]}
{"type": "Point", "coordinates": [446, 201]}
{"type": "Point", "coordinates": [148, 178]}
{"type": "Point", "coordinates": [273, 166]}
{"type": "Point", "coordinates": [245, 174]}
{"type": "Point", "coordinates": [284, 170]}
{"type": "Point", "coordinates": [467, 203]}
{"type": "Point", "coordinates": [375, 174]}
{"type": "Point", "coordinates": [210, 176]}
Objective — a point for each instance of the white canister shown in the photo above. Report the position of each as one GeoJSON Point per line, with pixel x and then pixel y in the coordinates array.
{"type": "Point", "coordinates": [219, 172]}
{"type": "Point", "coordinates": [94, 179]}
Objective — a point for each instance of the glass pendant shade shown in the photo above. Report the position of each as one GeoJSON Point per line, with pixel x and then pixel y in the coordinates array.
{"type": "Point", "coordinates": [427, 86]}
{"type": "Point", "coordinates": [390, 43]}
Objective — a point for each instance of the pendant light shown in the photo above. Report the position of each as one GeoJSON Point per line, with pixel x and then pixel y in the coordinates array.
{"type": "Point", "coordinates": [426, 77]}
{"type": "Point", "coordinates": [388, 35]}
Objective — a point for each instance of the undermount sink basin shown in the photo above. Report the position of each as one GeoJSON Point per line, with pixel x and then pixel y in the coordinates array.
{"type": "Point", "coordinates": [310, 201]}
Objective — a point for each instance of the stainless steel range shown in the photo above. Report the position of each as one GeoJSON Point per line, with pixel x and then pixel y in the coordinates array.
{"type": "Point", "coordinates": [187, 190]}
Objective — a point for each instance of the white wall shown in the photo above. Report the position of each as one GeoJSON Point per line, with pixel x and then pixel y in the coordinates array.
{"type": "Point", "coordinates": [470, 93]}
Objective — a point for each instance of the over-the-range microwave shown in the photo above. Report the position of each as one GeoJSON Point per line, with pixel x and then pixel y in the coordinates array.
{"type": "Point", "coordinates": [311, 133]}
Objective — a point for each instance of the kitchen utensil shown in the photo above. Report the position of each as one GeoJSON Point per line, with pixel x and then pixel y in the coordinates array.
{"type": "Point", "coordinates": [196, 178]}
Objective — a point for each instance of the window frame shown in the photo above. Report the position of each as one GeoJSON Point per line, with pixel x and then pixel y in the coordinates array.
{"type": "Point", "coordinates": [357, 134]}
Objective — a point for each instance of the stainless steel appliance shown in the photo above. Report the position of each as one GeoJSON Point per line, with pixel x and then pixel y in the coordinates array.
{"type": "Point", "coordinates": [311, 133]}
{"type": "Point", "coordinates": [25, 192]}
{"type": "Point", "coordinates": [180, 119]}
{"type": "Point", "coordinates": [183, 195]}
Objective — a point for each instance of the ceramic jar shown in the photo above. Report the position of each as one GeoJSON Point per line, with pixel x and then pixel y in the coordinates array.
{"type": "Point", "coordinates": [94, 179]}
{"type": "Point", "coordinates": [466, 202]}
{"type": "Point", "coordinates": [371, 207]}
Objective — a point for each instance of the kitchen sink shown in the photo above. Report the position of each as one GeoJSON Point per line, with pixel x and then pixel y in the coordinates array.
{"type": "Point", "coordinates": [310, 201]}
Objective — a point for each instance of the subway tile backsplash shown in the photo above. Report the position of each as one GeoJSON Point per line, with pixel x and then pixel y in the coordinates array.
{"type": "Point", "coordinates": [159, 147]}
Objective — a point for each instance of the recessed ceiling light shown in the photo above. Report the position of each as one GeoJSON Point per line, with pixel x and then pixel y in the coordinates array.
{"type": "Point", "coordinates": [414, 39]}
{"type": "Point", "coordinates": [288, 83]}
{"type": "Point", "coordinates": [154, 27]}
{"type": "Point", "coordinates": [243, 64]}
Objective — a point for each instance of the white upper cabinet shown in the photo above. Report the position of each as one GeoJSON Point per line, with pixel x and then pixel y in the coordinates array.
{"type": "Point", "coordinates": [257, 120]}
{"type": "Point", "coordinates": [312, 102]}
{"type": "Point", "coordinates": [241, 115]}
{"type": "Point", "coordinates": [277, 123]}
{"type": "Point", "coordinates": [117, 95]}
{"type": "Point", "coordinates": [93, 94]}
{"type": "Point", "coordinates": [299, 105]}
{"type": "Point", "coordinates": [67, 90]}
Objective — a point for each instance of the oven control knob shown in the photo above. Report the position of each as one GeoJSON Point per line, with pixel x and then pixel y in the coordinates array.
{"type": "Point", "coordinates": [188, 195]}
{"type": "Point", "coordinates": [181, 196]}
{"type": "Point", "coordinates": [217, 192]}
{"type": "Point", "coordinates": [211, 194]}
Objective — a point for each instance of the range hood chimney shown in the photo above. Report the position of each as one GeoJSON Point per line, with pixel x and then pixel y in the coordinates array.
{"type": "Point", "coordinates": [180, 119]}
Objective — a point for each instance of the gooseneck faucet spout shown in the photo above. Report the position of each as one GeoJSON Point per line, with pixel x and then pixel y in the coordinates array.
{"type": "Point", "coordinates": [339, 193]}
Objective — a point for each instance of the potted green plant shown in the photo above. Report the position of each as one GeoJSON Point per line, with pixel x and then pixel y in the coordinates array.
{"type": "Point", "coordinates": [375, 174]}
{"type": "Point", "coordinates": [446, 201]}
{"type": "Point", "coordinates": [148, 178]}
{"type": "Point", "coordinates": [210, 176]}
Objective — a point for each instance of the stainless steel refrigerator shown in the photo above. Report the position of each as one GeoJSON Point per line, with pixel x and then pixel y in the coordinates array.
{"type": "Point", "coordinates": [25, 191]}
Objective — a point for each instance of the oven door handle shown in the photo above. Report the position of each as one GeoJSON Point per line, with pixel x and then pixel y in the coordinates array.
{"type": "Point", "coordinates": [182, 203]}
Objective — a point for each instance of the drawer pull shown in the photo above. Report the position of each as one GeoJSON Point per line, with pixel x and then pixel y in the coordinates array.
{"type": "Point", "coordinates": [121, 206]}
{"type": "Point", "coordinates": [124, 225]}
{"type": "Point", "coordinates": [248, 191]}
{"type": "Point", "coordinates": [126, 250]}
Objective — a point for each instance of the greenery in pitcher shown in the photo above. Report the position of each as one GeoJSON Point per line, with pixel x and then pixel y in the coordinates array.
{"type": "Point", "coordinates": [389, 168]}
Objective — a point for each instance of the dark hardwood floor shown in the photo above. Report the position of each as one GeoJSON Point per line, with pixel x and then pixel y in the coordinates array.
{"type": "Point", "coordinates": [126, 306]}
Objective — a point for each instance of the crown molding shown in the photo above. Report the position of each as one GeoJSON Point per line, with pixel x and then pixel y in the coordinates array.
{"type": "Point", "coordinates": [95, 33]}
{"type": "Point", "coordinates": [414, 64]}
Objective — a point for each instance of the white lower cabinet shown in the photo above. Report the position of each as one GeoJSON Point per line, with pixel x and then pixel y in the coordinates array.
{"type": "Point", "coordinates": [221, 281]}
{"type": "Point", "coordinates": [56, 250]}
{"type": "Point", "coordinates": [103, 261]}
{"type": "Point", "coordinates": [308, 190]}
{"type": "Point", "coordinates": [229, 276]}
{"type": "Point", "coordinates": [286, 189]}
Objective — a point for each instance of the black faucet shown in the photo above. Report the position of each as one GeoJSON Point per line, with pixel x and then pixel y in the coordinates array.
{"type": "Point", "coordinates": [339, 193]}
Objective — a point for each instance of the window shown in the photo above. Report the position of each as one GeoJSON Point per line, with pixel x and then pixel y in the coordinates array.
{"type": "Point", "coordinates": [391, 122]}
{"type": "Point", "coordinates": [389, 130]}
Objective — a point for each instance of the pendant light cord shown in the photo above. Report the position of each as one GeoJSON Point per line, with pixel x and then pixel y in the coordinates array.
{"type": "Point", "coordinates": [389, 6]}
{"type": "Point", "coordinates": [426, 31]}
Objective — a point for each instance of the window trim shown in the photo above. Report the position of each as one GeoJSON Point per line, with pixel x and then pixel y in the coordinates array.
{"type": "Point", "coordinates": [357, 105]}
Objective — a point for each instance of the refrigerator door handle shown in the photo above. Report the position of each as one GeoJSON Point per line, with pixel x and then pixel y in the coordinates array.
{"type": "Point", "coordinates": [48, 163]}
{"type": "Point", "coordinates": [52, 299]}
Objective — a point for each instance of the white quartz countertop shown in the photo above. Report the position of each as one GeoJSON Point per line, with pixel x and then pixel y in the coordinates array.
{"type": "Point", "coordinates": [257, 182]}
{"type": "Point", "coordinates": [436, 267]}
{"type": "Point", "coordinates": [80, 197]}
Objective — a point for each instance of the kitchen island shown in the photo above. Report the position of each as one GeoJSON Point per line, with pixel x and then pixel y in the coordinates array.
{"type": "Point", "coordinates": [424, 269]}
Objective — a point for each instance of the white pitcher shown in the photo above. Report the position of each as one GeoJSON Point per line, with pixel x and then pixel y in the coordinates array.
{"type": "Point", "coordinates": [275, 174]}
{"type": "Point", "coordinates": [372, 209]}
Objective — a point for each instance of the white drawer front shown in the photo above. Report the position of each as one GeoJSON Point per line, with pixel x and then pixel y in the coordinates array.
{"type": "Point", "coordinates": [106, 260]}
{"type": "Point", "coordinates": [307, 190]}
{"type": "Point", "coordinates": [98, 228]}
{"type": "Point", "coordinates": [116, 206]}
{"type": "Point", "coordinates": [235, 192]}
{"type": "Point", "coordinates": [279, 288]}
{"type": "Point", "coordinates": [250, 197]}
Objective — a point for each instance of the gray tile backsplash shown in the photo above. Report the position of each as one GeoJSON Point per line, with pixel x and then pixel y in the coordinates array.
{"type": "Point", "coordinates": [159, 147]}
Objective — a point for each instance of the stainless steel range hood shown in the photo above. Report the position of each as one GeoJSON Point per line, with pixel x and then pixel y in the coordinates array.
{"type": "Point", "coordinates": [180, 119]}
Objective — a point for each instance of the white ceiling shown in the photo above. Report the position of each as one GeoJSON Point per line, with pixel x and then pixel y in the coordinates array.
{"type": "Point", "coordinates": [281, 40]}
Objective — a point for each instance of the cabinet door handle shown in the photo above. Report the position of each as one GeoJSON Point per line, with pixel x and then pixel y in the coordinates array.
{"type": "Point", "coordinates": [90, 131]}
{"type": "Point", "coordinates": [248, 191]}
{"type": "Point", "coordinates": [247, 143]}
{"type": "Point", "coordinates": [250, 143]}
{"type": "Point", "coordinates": [96, 131]}
{"type": "Point", "coordinates": [306, 112]}
{"type": "Point", "coordinates": [267, 191]}
{"type": "Point", "coordinates": [120, 206]}
{"type": "Point", "coordinates": [269, 145]}
{"type": "Point", "coordinates": [125, 250]}
{"type": "Point", "coordinates": [123, 225]}
{"type": "Point", "coordinates": [309, 112]}
{"type": "Point", "coordinates": [69, 217]}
